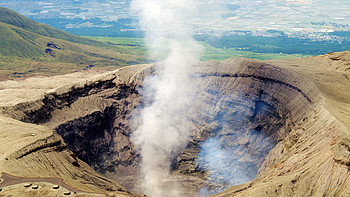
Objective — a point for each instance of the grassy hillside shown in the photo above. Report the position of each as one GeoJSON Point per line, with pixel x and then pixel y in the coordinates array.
{"type": "Point", "coordinates": [17, 42]}
{"type": "Point", "coordinates": [28, 48]}
{"type": "Point", "coordinates": [13, 18]}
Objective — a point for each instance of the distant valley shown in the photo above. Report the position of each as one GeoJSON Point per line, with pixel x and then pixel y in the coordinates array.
{"type": "Point", "coordinates": [254, 29]}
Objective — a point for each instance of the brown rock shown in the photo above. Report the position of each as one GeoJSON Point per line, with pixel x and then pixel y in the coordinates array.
{"type": "Point", "coordinates": [284, 122]}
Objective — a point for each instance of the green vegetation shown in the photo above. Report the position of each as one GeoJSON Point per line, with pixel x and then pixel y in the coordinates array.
{"type": "Point", "coordinates": [28, 48]}
{"type": "Point", "coordinates": [121, 28]}
{"type": "Point", "coordinates": [220, 54]}
{"type": "Point", "coordinates": [18, 42]}
{"type": "Point", "coordinates": [133, 46]}
{"type": "Point", "coordinates": [278, 44]}
{"type": "Point", "coordinates": [13, 18]}
{"type": "Point", "coordinates": [136, 46]}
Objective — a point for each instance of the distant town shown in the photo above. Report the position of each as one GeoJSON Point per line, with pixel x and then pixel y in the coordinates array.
{"type": "Point", "coordinates": [316, 20]}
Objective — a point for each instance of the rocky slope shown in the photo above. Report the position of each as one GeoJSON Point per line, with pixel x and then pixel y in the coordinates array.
{"type": "Point", "coordinates": [284, 125]}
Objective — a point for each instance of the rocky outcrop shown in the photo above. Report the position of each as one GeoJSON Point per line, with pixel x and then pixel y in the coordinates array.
{"type": "Point", "coordinates": [283, 125]}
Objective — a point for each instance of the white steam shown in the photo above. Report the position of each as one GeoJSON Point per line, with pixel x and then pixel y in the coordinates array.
{"type": "Point", "coordinates": [162, 126]}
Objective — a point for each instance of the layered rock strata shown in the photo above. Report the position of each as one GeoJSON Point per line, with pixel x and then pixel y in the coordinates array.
{"type": "Point", "coordinates": [284, 122]}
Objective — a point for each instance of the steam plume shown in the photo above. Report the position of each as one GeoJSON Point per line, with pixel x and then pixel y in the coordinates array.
{"type": "Point", "coordinates": [162, 126]}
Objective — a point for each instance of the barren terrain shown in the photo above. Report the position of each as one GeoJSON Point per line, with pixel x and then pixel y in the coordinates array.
{"type": "Point", "coordinates": [286, 121]}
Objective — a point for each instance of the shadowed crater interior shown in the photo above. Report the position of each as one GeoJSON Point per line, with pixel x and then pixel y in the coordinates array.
{"type": "Point", "coordinates": [242, 110]}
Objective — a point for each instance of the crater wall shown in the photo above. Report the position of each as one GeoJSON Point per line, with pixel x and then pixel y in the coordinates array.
{"type": "Point", "coordinates": [269, 118]}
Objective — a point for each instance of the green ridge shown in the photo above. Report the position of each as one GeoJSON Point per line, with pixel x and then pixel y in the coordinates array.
{"type": "Point", "coordinates": [13, 18]}
{"type": "Point", "coordinates": [28, 48]}
{"type": "Point", "coordinates": [17, 42]}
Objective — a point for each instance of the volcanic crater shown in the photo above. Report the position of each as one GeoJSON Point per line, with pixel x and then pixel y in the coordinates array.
{"type": "Point", "coordinates": [258, 127]}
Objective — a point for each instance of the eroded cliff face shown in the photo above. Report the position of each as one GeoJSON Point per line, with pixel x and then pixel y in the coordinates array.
{"type": "Point", "coordinates": [274, 121]}
{"type": "Point", "coordinates": [247, 109]}
{"type": "Point", "coordinates": [75, 110]}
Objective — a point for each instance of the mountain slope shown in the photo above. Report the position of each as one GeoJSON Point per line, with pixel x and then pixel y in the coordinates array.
{"type": "Point", "coordinates": [13, 18]}
{"type": "Point", "coordinates": [18, 42]}
{"type": "Point", "coordinates": [28, 48]}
